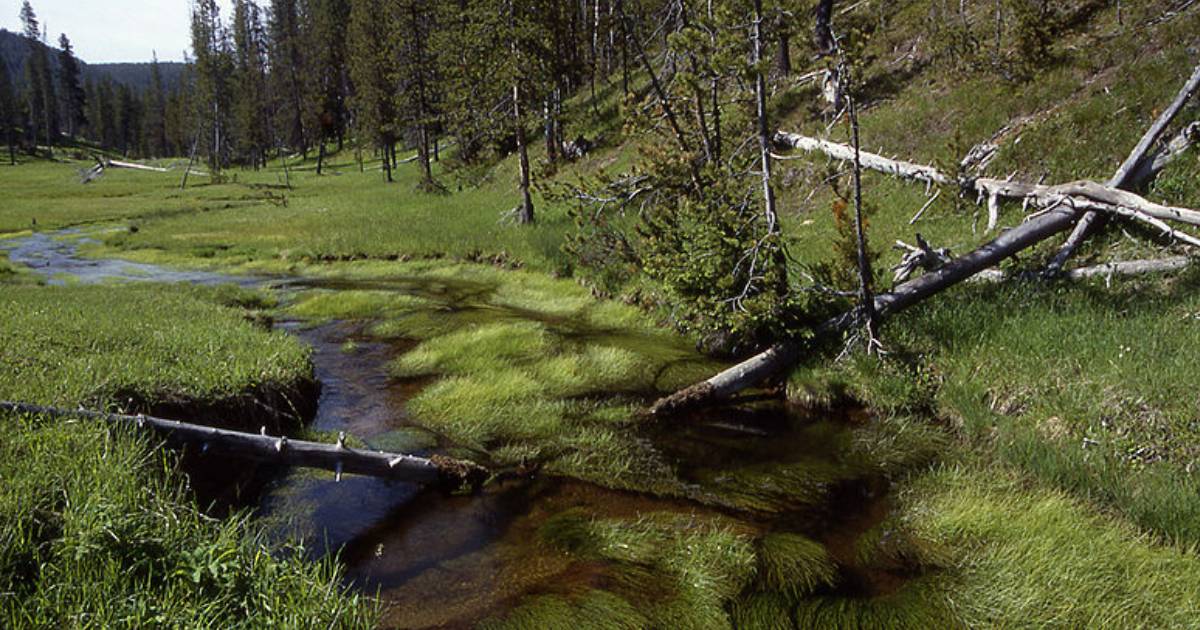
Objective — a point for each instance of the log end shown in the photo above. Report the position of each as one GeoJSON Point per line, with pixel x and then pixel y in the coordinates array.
{"type": "Point", "coordinates": [459, 474]}
{"type": "Point", "coordinates": [687, 398]}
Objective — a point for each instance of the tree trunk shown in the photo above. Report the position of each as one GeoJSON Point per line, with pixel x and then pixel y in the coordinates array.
{"type": "Point", "coordinates": [525, 212]}
{"type": "Point", "coordinates": [337, 458]}
{"type": "Point", "coordinates": [1124, 177]}
{"type": "Point", "coordinates": [783, 56]}
{"type": "Point", "coordinates": [764, 145]}
{"type": "Point", "coordinates": [866, 299]}
{"type": "Point", "coordinates": [320, 156]}
{"type": "Point", "coordinates": [387, 163]}
{"type": "Point", "coordinates": [784, 354]}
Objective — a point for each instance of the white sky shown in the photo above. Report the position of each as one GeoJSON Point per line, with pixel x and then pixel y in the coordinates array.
{"type": "Point", "coordinates": [105, 31]}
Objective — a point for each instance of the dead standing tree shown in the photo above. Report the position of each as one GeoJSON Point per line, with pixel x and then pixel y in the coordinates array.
{"type": "Point", "coordinates": [1059, 208]}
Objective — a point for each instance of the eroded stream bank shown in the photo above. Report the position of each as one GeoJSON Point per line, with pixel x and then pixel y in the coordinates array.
{"type": "Point", "coordinates": [730, 512]}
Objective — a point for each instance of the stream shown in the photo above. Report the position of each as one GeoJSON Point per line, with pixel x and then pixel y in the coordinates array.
{"type": "Point", "coordinates": [439, 560]}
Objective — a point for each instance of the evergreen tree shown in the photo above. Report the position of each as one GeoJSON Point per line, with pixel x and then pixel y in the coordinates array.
{"type": "Point", "coordinates": [106, 124]}
{"type": "Point", "coordinates": [8, 113]}
{"type": "Point", "coordinates": [373, 99]}
{"type": "Point", "coordinates": [414, 74]}
{"type": "Point", "coordinates": [249, 86]}
{"type": "Point", "coordinates": [288, 72]}
{"type": "Point", "coordinates": [326, 89]}
{"type": "Point", "coordinates": [74, 100]}
{"type": "Point", "coordinates": [155, 108]}
{"type": "Point", "coordinates": [35, 88]}
{"type": "Point", "coordinates": [214, 67]}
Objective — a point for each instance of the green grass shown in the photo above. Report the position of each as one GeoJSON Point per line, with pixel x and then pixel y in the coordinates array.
{"type": "Point", "coordinates": [1069, 500]}
{"type": "Point", "coordinates": [102, 345]}
{"type": "Point", "coordinates": [1081, 385]}
{"type": "Point", "coordinates": [97, 531]}
{"type": "Point", "coordinates": [1026, 555]}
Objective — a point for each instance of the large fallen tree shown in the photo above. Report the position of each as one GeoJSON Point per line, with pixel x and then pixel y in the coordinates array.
{"type": "Point", "coordinates": [1061, 207]}
{"type": "Point", "coordinates": [338, 458]}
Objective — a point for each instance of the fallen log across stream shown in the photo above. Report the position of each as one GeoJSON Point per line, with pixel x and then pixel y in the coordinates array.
{"type": "Point", "coordinates": [338, 458]}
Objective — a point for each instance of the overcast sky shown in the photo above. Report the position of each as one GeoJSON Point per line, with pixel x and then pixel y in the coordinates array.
{"type": "Point", "coordinates": [113, 30]}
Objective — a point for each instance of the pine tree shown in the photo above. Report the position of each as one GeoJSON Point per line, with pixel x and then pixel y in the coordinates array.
{"type": "Point", "coordinates": [35, 89]}
{"type": "Point", "coordinates": [74, 101]}
{"type": "Point", "coordinates": [214, 66]}
{"type": "Point", "coordinates": [249, 84]}
{"type": "Point", "coordinates": [155, 113]}
{"type": "Point", "coordinates": [415, 76]}
{"type": "Point", "coordinates": [288, 69]}
{"type": "Point", "coordinates": [373, 99]}
{"type": "Point", "coordinates": [326, 88]}
{"type": "Point", "coordinates": [8, 113]}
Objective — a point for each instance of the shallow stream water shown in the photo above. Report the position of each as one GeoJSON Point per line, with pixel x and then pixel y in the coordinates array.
{"type": "Point", "coordinates": [451, 560]}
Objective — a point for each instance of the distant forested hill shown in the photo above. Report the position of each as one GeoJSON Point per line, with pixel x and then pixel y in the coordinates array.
{"type": "Point", "coordinates": [14, 49]}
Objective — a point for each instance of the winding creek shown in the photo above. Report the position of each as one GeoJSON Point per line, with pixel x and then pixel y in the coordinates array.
{"type": "Point", "coordinates": [452, 560]}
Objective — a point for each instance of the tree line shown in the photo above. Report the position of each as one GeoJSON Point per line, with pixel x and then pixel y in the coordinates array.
{"type": "Point", "coordinates": [54, 107]}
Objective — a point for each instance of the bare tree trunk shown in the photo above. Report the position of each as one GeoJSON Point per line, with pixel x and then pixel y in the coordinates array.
{"type": "Point", "coordinates": [1124, 175]}
{"type": "Point", "coordinates": [866, 298]}
{"type": "Point", "coordinates": [337, 458]}
{"type": "Point", "coordinates": [191, 160]}
{"type": "Point", "coordinates": [764, 144]}
{"type": "Point", "coordinates": [321, 155]}
{"type": "Point", "coordinates": [525, 211]}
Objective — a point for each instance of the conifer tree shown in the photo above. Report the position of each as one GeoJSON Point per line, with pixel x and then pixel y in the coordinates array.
{"type": "Point", "coordinates": [414, 74]}
{"type": "Point", "coordinates": [249, 86]}
{"type": "Point", "coordinates": [288, 72]}
{"type": "Point", "coordinates": [74, 100]}
{"type": "Point", "coordinates": [373, 99]}
{"type": "Point", "coordinates": [214, 66]}
{"type": "Point", "coordinates": [155, 108]}
{"type": "Point", "coordinates": [35, 88]}
{"type": "Point", "coordinates": [8, 113]}
{"type": "Point", "coordinates": [326, 89]}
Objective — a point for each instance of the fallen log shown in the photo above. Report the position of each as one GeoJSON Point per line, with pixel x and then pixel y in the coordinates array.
{"type": "Point", "coordinates": [135, 166]}
{"type": "Point", "coordinates": [338, 458]}
{"type": "Point", "coordinates": [1063, 206]}
{"type": "Point", "coordinates": [784, 354]}
{"type": "Point", "coordinates": [871, 161]}
{"type": "Point", "coordinates": [1126, 175]}
{"type": "Point", "coordinates": [1105, 270]}
{"type": "Point", "coordinates": [1083, 194]}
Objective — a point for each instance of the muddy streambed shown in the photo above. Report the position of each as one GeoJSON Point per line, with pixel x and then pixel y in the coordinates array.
{"type": "Point", "coordinates": [801, 498]}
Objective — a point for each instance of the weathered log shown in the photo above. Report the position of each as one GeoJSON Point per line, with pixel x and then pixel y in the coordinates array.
{"type": "Point", "coordinates": [1154, 164]}
{"type": "Point", "coordinates": [1063, 206]}
{"type": "Point", "coordinates": [871, 161]}
{"type": "Point", "coordinates": [785, 353]}
{"type": "Point", "coordinates": [337, 458]}
{"type": "Point", "coordinates": [1105, 270]}
{"type": "Point", "coordinates": [1083, 194]}
{"type": "Point", "coordinates": [135, 166]}
{"type": "Point", "coordinates": [1127, 174]}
